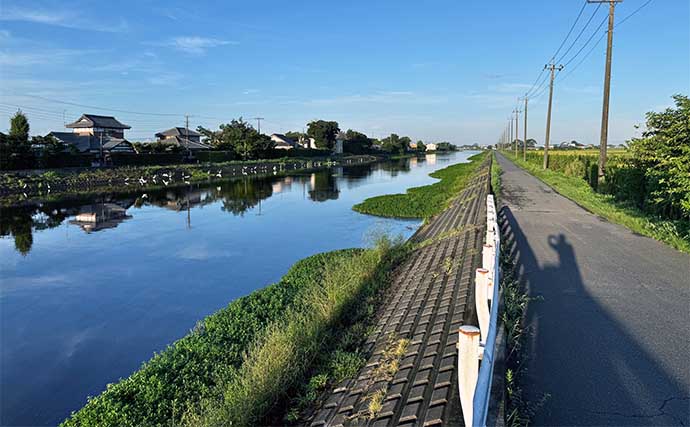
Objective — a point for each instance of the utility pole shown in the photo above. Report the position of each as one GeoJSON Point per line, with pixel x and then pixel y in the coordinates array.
{"type": "Point", "coordinates": [524, 143]}
{"type": "Point", "coordinates": [603, 140]}
{"type": "Point", "coordinates": [517, 132]}
{"type": "Point", "coordinates": [186, 137]}
{"type": "Point", "coordinates": [552, 67]}
{"type": "Point", "coordinates": [258, 123]}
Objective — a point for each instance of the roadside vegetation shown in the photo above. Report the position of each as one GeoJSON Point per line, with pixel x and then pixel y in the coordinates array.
{"type": "Point", "coordinates": [427, 201]}
{"type": "Point", "coordinates": [237, 366]}
{"type": "Point", "coordinates": [646, 188]}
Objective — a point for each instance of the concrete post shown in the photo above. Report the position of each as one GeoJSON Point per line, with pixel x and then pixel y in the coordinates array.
{"type": "Point", "coordinates": [468, 369]}
{"type": "Point", "coordinates": [481, 285]}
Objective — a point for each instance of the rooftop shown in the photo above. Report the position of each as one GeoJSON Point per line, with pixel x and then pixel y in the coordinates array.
{"type": "Point", "coordinates": [93, 120]}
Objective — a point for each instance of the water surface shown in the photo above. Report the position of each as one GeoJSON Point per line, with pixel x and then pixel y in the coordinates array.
{"type": "Point", "coordinates": [92, 286]}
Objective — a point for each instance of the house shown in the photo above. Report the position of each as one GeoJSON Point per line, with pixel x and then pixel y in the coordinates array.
{"type": "Point", "coordinates": [92, 134]}
{"type": "Point", "coordinates": [571, 144]}
{"type": "Point", "coordinates": [182, 137]}
{"type": "Point", "coordinates": [91, 124]}
{"type": "Point", "coordinates": [413, 145]}
{"type": "Point", "coordinates": [431, 147]}
{"type": "Point", "coordinates": [282, 142]}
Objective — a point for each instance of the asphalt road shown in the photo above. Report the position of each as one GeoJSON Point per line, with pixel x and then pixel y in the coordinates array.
{"type": "Point", "coordinates": [609, 337]}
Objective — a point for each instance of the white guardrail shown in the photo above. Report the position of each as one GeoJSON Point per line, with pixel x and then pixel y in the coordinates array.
{"type": "Point", "coordinates": [475, 344]}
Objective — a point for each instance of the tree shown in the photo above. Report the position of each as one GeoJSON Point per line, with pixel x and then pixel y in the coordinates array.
{"type": "Point", "coordinates": [421, 147]}
{"type": "Point", "coordinates": [356, 142]}
{"type": "Point", "coordinates": [662, 154]}
{"type": "Point", "coordinates": [323, 132]}
{"type": "Point", "coordinates": [238, 136]}
{"type": "Point", "coordinates": [19, 128]}
{"type": "Point", "coordinates": [396, 144]}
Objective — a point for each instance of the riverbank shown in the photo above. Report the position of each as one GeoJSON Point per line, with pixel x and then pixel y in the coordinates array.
{"type": "Point", "coordinates": [14, 187]}
{"type": "Point", "coordinates": [296, 338]}
{"type": "Point", "coordinates": [426, 201]}
{"type": "Point", "coordinates": [674, 233]}
{"type": "Point", "coordinates": [237, 363]}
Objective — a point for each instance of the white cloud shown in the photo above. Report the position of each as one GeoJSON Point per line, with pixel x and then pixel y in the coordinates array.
{"type": "Point", "coordinates": [55, 56]}
{"type": "Point", "coordinates": [65, 19]}
{"type": "Point", "coordinates": [195, 45]}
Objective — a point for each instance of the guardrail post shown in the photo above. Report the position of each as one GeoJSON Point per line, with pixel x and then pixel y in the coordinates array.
{"type": "Point", "coordinates": [488, 261]}
{"type": "Point", "coordinates": [481, 287]}
{"type": "Point", "coordinates": [468, 369]}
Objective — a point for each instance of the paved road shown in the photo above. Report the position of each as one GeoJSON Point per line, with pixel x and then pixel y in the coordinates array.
{"type": "Point", "coordinates": [610, 340]}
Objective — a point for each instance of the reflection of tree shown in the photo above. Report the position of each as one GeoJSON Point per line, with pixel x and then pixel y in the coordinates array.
{"type": "Point", "coordinates": [240, 196]}
{"type": "Point", "coordinates": [357, 172]}
{"type": "Point", "coordinates": [395, 166]}
{"type": "Point", "coordinates": [323, 186]}
{"type": "Point", "coordinates": [17, 222]}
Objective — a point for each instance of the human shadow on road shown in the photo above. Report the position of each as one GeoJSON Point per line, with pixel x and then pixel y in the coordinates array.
{"type": "Point", "coordinates": [595, 372]}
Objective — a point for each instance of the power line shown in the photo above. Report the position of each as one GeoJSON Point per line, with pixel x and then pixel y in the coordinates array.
{"type": "Point", "coordinates": [587, 42]}
{"type": "Point", "coordinates": [594, 46]}
{"type": "Point", "coordinates": [580, 33]}
{"type": "Point", "coordinates": [572, 70]}
{"type": "Point", "coordinates": [633, 12]}
{"type": "Point", "coordinates": [102, 108]}
{"type": "Point", "coordinates": [535, 88]}
{"type": "Point", "coordinates": [572, 27]}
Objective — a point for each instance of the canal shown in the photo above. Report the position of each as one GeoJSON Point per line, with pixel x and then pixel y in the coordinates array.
{"type": "Point", "coordinates": [92, 286]}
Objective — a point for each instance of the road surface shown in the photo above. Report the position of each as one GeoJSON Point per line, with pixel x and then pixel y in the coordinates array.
{"type": "Point", "coordinates": [609, 337]}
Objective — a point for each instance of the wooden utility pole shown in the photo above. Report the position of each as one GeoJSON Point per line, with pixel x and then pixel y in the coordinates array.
{"type": "Point", "coordinates": [552, 67]}
{"type": "Point", "coordinates": [603, 140]}
{"type": "Point", "coordinates": [510, 125]}
{"type": "Point", "coordinates": [524, 128]}
{"type": "Point", "coordinates": [186, 137]}
{"type": "Point", "coordinates": [517, 132]}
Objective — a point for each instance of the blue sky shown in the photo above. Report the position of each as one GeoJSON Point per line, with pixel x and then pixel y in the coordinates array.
{"type": "Point", "coordinates": [442, 70]}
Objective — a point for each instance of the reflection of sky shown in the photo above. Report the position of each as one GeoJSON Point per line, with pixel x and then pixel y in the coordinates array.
{"type": "Point", "coordinates": [81, 310]}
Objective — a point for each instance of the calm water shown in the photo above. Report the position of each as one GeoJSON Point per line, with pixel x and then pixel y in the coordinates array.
{"type": "Point", "coordinates": [83, 304]}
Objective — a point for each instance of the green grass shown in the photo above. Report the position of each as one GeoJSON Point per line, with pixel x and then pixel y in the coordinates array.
{"type": "Point", "coordinates": [240, 360]}
{"type": "Point", "coordinates": [427, 201]}
{"type": "Point", "coordinates": [496, 172]}
{"type": "Point", "coordinates": [674, 233]}
{"type": "Point", "coordinates": [281, 359]}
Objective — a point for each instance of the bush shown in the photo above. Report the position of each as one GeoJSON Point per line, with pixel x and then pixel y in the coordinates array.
{"type": "Point", "coordinates": [575, 168]}
{"type": "Point", "coordinates": [129, 159]}
{"type": "Point", "coordinates": [214, 156]}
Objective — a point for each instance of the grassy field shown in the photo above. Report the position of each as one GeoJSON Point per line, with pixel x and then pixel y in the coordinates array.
{"type": "Point", "coordinates": [237, 365]}
{"type": "Point", "coordinates": [573, 186]}
{"type": "Point", "coordinates": [423, 202]}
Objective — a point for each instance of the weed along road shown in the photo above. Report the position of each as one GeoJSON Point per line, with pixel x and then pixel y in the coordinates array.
{"type": "Point", "coordinates": [608, 333]}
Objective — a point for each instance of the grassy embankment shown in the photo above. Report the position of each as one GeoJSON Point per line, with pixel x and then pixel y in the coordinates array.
{"type": "Point", "coordinates": [424, 202]}
{"type": "Point", "coordinates": [238, 365]}
{"type": "Point", "coordinates": [572, 185]}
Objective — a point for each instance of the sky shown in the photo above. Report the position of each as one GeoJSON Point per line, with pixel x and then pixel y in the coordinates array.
{"type": "Point", "coordinates": [433, 70]}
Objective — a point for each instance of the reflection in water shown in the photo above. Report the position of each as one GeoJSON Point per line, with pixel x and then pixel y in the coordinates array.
{"type": "Point", "coordinates": [101, 212]}
{"type": "Point", "coordinates": [100, 216]}
{"type": "Point", "coordinates": [94, 213]}
{"type": "Point", "coordinates": [323, 186]}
